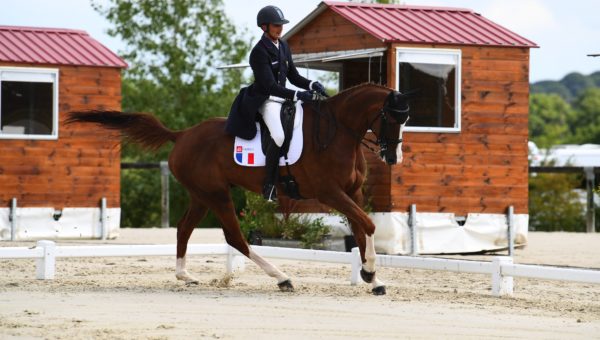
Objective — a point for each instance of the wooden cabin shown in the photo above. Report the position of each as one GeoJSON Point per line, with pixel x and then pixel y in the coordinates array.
{"type": "Point", "coordinates": [465, 145]}
{"type": "Point", "coordinates": [53, 176]}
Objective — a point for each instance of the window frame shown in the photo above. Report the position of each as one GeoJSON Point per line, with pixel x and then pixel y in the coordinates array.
{"type": "Point", "coordinates": [457, 54]}
{"type": "Point", "coordinates": [53, 73]}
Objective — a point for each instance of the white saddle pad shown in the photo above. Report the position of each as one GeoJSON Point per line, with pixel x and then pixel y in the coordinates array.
{"type": "Point", "coordinates": [249, 152]}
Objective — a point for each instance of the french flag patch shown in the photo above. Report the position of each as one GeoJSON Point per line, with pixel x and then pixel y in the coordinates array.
{"type": "Point", "coordinates": [240, 152]}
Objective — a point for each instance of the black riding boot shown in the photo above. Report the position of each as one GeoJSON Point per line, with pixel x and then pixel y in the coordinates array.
{"type": "Point", "coordinates": [272, 169]}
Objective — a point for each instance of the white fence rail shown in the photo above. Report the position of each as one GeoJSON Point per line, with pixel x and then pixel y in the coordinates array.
{"type": "Point", "coordinates": [502, 269]}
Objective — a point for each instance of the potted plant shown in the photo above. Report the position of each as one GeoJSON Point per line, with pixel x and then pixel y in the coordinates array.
{"type": "Point", "coordinates": [263, 225]}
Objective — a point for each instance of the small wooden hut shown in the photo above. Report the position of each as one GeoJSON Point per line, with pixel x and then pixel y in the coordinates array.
{"type": "Point", "coordinates": [53, 176]}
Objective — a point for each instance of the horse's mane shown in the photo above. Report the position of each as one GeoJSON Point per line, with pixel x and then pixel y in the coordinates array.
{"type": "Point", "coordinates": [344, 92]}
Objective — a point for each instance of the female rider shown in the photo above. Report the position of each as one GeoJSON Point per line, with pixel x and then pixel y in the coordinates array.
{"type": "Point", "coordinates": [271, 63]}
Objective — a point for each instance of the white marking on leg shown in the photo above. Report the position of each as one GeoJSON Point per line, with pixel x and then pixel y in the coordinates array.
{"type": "Point", "coordinates": [399, 146]}
{"type": "Point", "coordinates": [181, 273]}
{"type": "Point", "coordinates": [370, 256]}
{"type": "Point", "coordinates": [270, 269]}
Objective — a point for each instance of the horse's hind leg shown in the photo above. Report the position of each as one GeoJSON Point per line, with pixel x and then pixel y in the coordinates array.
{"type": "Point", "coordinates": [234, 237]}
{"type": "Point", "coordinates": [193, 215]}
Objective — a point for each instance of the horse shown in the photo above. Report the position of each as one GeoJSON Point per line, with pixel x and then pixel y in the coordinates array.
{"type": "Point", "coordinates": [201, 160]}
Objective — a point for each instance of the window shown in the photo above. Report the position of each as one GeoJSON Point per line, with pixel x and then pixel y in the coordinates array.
{"type": "Point", "coordinates": [28, 103]}
{"type": "Point", "coordinates": [435, 74]}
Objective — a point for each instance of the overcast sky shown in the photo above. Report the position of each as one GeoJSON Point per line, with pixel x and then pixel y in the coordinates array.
{"type": "Point", "coordinates": [566, 31]}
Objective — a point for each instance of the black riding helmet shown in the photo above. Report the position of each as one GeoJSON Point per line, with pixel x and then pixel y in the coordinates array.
{"type": "Point", "coordinates": [270, 15]}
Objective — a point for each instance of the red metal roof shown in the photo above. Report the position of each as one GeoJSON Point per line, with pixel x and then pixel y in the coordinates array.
{"type": "Point", "coordinates": [419, 24]}
{"type": "Point", "coordinates": [54, 46]}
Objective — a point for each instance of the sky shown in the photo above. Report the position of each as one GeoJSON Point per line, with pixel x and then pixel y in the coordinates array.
{"type": "Point", "coordinates": [566, 31]}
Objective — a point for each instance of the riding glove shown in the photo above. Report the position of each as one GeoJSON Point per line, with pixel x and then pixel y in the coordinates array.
{"type": "Point", "coordinates": [307, 96]}
{"type": "Point", "coordinates": [319, 88]}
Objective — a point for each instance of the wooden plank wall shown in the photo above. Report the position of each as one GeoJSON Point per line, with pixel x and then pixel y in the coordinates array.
{"type": "Point", "coordinates": [331, 32]}
{"type": "Point", "coordinates": [482, 169]}
{"type": "Point", "coordinates": [79, 168]}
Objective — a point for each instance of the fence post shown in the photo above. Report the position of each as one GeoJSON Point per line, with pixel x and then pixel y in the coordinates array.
{"type": "Point", "coordinates": [164, 201]}
{"type": "Point", "coordinates": [511, 230]}
{"type": "Point", "coordinates": [13, 219]}
{"type": "Point", "coordinates": [103, 222]}
{"type": "Point", "coordinates": [501, 285]}
{"type": "Point", "coordinates": [356, 264]}
{"type": "Point", "coordinates": [236, 262]}
{"type": "Point", "coordinates": [412, 223]}
{"type": "Point", "coordinates": [45, 266]}
{"type": "Point", "coordinates": [589, 183]}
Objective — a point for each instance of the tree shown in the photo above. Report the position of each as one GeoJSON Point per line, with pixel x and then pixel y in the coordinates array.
{"type": "Point", "coordinates": [172, 48]}
{"type": "Point", "coordinates": [586, 121]}
{"type": "Point", "coordinates": [577, 83]}
{"type": "Point", "coordinates": [551, 86]}
{"type": "Point", "coordinates": [549, 115]}
{"type": "Point", "coordinates": [553, 204]}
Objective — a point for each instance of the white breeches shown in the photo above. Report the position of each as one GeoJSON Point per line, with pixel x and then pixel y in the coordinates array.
{"type": "Point", "coordinates": [271, 111]}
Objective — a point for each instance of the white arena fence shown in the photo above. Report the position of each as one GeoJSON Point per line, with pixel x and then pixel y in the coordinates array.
{"type": "Point", "coordinates": [501, 268]}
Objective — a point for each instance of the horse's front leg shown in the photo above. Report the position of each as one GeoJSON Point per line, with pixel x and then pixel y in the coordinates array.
{"type": "Point", "coordinates": [363, 229]}
{"type": "Point", "coordinates": [368, 270]}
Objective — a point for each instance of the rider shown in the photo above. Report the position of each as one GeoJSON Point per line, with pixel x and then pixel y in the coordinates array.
{"type": "Point", "coordinates": [271, 63]}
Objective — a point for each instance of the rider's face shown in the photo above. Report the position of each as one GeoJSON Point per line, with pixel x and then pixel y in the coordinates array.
{"type": "Point", "coordinates": [274, 31]}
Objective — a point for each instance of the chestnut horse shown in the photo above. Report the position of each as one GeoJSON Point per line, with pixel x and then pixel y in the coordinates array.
{"type": "Point", "coordinates": [202, 162]}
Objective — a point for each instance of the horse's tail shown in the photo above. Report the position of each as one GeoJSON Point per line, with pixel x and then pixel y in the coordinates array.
{"type": "Point", "coordinates": [140, 128]}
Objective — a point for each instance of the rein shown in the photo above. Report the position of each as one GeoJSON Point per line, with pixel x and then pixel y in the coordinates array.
{"type": "Point", "coordinates": [331, 124]}
{"type": "Point", "coordinates": [380, 142]}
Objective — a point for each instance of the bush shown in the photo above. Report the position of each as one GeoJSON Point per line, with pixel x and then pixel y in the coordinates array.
{"type": "Point", "coordinates": [261, 216]}
{"type": "Point", "coordinates": [554, 205]}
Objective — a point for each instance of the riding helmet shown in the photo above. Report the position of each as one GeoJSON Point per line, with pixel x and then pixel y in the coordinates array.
{"type": "Point", "coordinates": [270, 15]}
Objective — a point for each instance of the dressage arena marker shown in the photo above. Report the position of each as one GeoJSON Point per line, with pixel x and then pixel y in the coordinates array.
{"type": "Point", "coordinates": [502, 269]}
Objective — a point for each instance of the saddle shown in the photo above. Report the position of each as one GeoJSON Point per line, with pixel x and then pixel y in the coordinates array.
{"type": "Point", "coordinates": [287, 115]}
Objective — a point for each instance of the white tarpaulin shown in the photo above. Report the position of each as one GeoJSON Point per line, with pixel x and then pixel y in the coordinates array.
{"type": "Point", "coordinates": [437, 233]}
{"type": "Point", "coordinates": [73, 223]}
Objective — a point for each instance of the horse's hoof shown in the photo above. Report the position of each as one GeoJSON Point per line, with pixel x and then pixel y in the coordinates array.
{"type": "Point", "coordinates": [378, 290]}
{"type": "Point", "coordinates": [286, 286]}
{"type": "Point", "coordinates": [188, 279]}
{"type": "Point", "coordinates": [366, 276]}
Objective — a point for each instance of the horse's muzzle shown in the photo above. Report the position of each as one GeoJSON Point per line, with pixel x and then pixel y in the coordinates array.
{"type": "Point", "coordinates": [390, 160]}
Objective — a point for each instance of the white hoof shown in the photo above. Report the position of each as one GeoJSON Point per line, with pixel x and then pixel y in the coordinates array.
{"type": "Point", "coordinates": [187, 278]}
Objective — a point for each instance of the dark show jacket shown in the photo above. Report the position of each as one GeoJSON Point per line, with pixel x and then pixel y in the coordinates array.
{"type": "Point", "coordinates": [271, 67]}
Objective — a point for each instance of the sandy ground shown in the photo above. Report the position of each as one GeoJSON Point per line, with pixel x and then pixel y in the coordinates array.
{"type": "Point", "coordinates": [138, 297]}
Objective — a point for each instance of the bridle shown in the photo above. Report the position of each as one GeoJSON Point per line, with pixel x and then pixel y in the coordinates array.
{"type": "Point", "coordinates": [382, 141]}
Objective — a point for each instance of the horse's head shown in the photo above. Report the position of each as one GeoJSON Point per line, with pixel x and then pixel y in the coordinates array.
{"type": "Point", "coordinates": [393, 117]}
